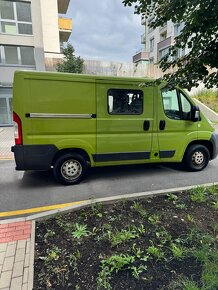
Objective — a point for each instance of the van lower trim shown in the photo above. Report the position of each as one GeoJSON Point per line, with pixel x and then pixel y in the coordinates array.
{"type": "Point", "coordinates": [167, 153]}
{"type": "Point", "coordinates": [118, 156]}
{"type": "Point", "coordinates": [60, 116]}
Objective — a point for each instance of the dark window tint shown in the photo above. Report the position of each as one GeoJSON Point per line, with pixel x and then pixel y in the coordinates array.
{"type": "Point", "coordinates": [125, 102]}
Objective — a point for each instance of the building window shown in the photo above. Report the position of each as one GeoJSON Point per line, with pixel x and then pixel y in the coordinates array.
{"type": "Point", "coordinates": [151, 44]}
{"type": "Point", "coordinates": [177, 29]}
{"type": "Point", "coordinates": [125, 102]}
{"type": "Point", "coordinates": [5, 106]}
{"type": "Point", "coordinates": [163, 35]}
{"type": "Point", "coordinates": [17, 55]}
{"type": "Point", "coordinates": [163, 52]}
{"type": "Point", "coordinates": [150, 20]}
{"type": "Point", "coordinates": [15, 17]}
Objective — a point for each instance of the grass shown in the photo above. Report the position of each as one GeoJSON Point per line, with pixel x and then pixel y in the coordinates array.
{"type": "Point", "coordinates": [163, 243]}
{"type": "Point", "coordinates": [208, 97]}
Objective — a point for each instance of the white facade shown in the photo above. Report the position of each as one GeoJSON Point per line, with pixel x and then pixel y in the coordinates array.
{"type": "Point", "coordinates": [29, 33]}
{"type": "Point", "coordinates": [158, 41]}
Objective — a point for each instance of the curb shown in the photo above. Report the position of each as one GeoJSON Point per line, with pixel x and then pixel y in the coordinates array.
{"type": "Point", "coordinates": [207, 108]}
{"type": "Point", "coordinates": [83, 204]}
{"type": "Point", "coordinates": [31, 261]}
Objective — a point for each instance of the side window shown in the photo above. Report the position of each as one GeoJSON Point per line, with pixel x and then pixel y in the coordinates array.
{"type": "Point", "coordinates": [176, 105]}
{"type": "Point", "coordinates": [125, 102]}
{"type": "Point", "coordinates": [171, 103]}
{"type": "Point", "coordinates": [186, 107]}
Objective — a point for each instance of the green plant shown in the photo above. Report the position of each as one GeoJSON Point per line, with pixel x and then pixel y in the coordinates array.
{"type": "Point", "coordinates": [136, 271]}
{"type": "Point", "coordinates": [178, 251]}
{"type": "Point", "coordinates": [137, 251]}
{"type": "Point", "coordinates": [72, 260]}
{"type": "Point", "coordinates": [213, 190]}
{"type": "Point", "coordinates": [155, 251]}
{"type": "Point", "coordinates": [190, 218]}
{"type": "Point", "coordinates": [181, 206]}
{"type": "Point", "coordinates": [172, 197]}
{"type": "Point", "coordinates": [80, 231]}
{"type": "Point", "coordinates": [198, 194]}
{"type": "Point", "coordinates": [154, 219]}
{"type": "Point", "coordinates": [215, 204]}
{"type": "Point", "coordinates": [117, 237]}
{"type": "Point", "coordinates": [49, 234]}
{"type": "Point", "coordinates": [139, 209]}
{"type": "Point", "coordinates": [163, 236]}
{"type": "Point", "coordinates": [52, 255]}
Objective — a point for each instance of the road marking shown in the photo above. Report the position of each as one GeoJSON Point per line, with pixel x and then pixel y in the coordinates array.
{"type": "Point", "coordinates": [37, 209]}
{"type": "Point", "coordinates": [6, 158]}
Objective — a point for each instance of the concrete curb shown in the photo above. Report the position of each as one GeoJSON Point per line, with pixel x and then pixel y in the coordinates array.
{"type": "Point", "coordinates": [212, 115]}
{"type": "Point", "coordinates": [83, 204]}
{"type": "Point", "coordinates": [31, 261]}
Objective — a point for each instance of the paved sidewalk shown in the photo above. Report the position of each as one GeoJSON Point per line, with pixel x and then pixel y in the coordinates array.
{"type": "Point", "coordinates": [15, 265]}
{"type": "Point", "coordinates": [6, 141]}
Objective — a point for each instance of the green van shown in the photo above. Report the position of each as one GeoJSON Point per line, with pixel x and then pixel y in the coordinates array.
{"type": "Point", "coordinates": [70, 122]}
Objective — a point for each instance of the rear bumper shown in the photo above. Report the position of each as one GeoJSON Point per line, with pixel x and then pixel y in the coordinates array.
{"type": "Point", "coordinates": [214, 141]}
{"type": "Point", "coordinates": [33, 157]}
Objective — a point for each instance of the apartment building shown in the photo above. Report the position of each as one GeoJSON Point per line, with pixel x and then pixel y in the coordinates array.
{"type": "Point", "coordinates": [31, 33]}
{"type": "Point", "coordinates": [156, 42]}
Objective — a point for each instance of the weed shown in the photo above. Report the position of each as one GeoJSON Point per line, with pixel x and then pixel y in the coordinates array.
{"type": "Point", "coordinates": [52, 255]}
{"type": "Point", "coordinates": [154, 219]}
{"type": "Point", "coordinates": [178, 251]}
{"type": "Point", "coordinates": [215, 204]}
{"type": "Point", "coordinates": [198, 194]}
{"type": "Point", "coordinates": [212, 190]}
{"type": "Point", "coordinates": [139, 209]}
{"type": "Point", "coordinates": [190, 218]}
{"type": "Point", "coordinates": [183, 284]}
{"type": "Point", "coordinates": [155, 251]}
{"type": "Point", "coordinates": [136, 271]}
{"type": "Point", "coordinates": [72, 260]}
{"type": "Point", "coordinates": [137, 251]}
{"type": "Point", "coordinates": [181, 206]}
{"type": "Point", "coordinates": [80, 231]}
{"type": "Point", "coordinates": [96, 209]}
{"type": "Point", "coordinates": [172, 197]}
{"type": "Point", "coordinates": [163, 236]}
{"type": "Point", "coordinates": [49, 234]}
{"type": "Point", "coordinates": [122, 236]}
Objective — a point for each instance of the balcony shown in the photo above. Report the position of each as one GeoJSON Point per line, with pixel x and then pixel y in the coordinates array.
{"type": "Point", "coordinates": [65, 28]}
{"type": "Point", "coordinates": [165, 43]}
{"type": "Point", "coordinates": [143, 38]}
{"type": "Point", "coordinates": [163, 28]}
{"type": "Point", "coordinates": [141, 56]}
{"type": "Point", "coordinates": [63, 6]}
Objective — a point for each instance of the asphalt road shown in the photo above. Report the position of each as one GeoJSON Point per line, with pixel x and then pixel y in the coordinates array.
{"type": "Point", "coordinates": [22, 190]}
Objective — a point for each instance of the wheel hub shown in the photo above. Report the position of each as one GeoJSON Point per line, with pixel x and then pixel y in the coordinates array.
{"type": "Point", "coordinates": [71, 169]}
{"type": "Point", "coordinates": [198, 158]}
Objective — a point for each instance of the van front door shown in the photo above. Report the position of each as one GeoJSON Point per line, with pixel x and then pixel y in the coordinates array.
{"type": "Point", "coordinates": [124, 123]}
{"type": "Point", "coordinates": [175, 127]}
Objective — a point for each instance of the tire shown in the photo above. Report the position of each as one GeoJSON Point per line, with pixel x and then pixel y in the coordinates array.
{"type": "Point", "coordinates": [196, 157]}
{"type": "Point", "coordinates": [70, 168]}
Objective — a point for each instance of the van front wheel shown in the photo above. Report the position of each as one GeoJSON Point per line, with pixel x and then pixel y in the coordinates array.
{"type": "Point", "coordinates": [196, 157]}
{"type": "Point", "coordinates": [70, 168]}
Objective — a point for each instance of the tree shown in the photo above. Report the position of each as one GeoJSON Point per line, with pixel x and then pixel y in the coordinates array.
{"type": "Point", "coordinates": [71, 63]}
{"type": "Point", "coordinates": [200, 35]}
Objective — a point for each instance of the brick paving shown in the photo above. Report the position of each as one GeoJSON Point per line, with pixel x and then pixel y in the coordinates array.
{"type": "Point", "coordinates": [6, 141]}
{"type": "Point", "coordinates": [15, 255]}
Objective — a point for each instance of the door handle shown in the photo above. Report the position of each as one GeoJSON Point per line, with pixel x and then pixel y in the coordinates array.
{"type": "Point", "coordinates": [162, 125]}
{"type": "Point", "coordinates": [146, 125]}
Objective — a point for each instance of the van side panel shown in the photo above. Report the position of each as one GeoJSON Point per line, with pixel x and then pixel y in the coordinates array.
{"type": "Point", "coordinates": [64, 107]}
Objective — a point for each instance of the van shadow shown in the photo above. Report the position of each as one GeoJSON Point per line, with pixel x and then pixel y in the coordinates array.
{"type": "Point", "coordinates": [41, 179]}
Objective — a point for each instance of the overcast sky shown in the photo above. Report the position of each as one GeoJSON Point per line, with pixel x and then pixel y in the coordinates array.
{"type": "Point", "coordinates": [104, 30]}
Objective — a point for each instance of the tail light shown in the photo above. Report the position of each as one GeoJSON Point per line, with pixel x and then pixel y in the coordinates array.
{"type": "Point", "coordinates": [17, 129]}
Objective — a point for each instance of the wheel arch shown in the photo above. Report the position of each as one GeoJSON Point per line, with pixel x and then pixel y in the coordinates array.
{"type": "Point", "coordinates": [208, 144]}
{"type": "Point", "coordinates": [72, 150]}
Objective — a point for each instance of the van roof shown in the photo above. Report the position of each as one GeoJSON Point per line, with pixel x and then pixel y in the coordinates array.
{"type": "Point", "coordinates": [58, 75]}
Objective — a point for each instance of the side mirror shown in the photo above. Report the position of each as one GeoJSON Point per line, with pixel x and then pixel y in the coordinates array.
{"type": "Point", "coordinates": [195, 114]}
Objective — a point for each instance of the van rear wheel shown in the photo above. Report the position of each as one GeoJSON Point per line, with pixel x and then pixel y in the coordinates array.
{"type": "Point", "coordinates": [196, 157]}
{"type": "Point", "coordinates": [70, 168]}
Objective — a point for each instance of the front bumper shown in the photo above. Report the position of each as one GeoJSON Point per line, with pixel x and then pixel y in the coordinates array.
{"type": "Point", "coordinates": [34, 157]}
{"type": "Point", "coordinates": [214, 141]}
